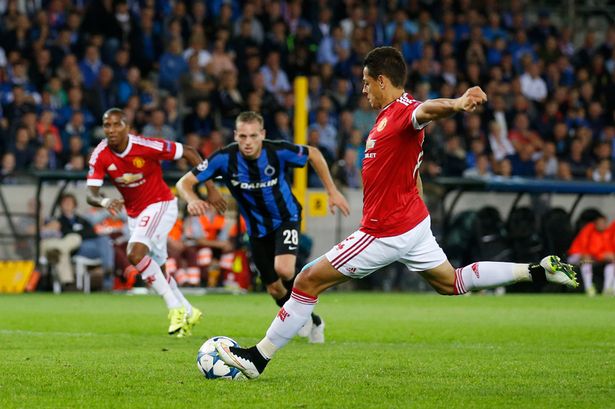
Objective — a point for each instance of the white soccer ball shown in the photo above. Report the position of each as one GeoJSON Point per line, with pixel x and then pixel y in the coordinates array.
{"type": "Point", "coordinates": [210, 364]}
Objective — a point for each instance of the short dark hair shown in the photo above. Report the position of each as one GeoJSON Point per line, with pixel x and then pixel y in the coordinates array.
{"type": "Point", "coordinates": [114, 111]}
{"type": "Point", "coordinates": [389, 62]}
{"type": "Point", "coordinates": [250, 116]}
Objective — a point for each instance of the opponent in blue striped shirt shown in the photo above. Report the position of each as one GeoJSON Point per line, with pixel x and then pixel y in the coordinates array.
{"type": "Point", "coordinates": [256, 171]}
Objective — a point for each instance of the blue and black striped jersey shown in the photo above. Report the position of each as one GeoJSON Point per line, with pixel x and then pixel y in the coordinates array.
{"type": "Point", "coordinates": [261, 186]}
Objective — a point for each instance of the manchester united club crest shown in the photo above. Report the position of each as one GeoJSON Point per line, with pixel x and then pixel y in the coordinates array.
{"type": "Point", "coordinates": [138, 162]}
{"type": "Point", "coordinates": [381, 124]}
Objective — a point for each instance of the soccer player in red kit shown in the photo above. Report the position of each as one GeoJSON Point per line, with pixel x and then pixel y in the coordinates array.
{"type": "Point", "coordinates": [396, 223]}
{"type": "Point", "coordinates": [133, 165]}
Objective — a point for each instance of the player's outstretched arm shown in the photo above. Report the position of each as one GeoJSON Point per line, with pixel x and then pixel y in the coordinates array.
{"type": "Point", "coordinates": [185, 189]}
{"type": "Point", "coordinates": [94, 198]}
{"type": "Point", "coordinates": [336, 199]}
{"type": "Point", "coordinates": [434, 109]}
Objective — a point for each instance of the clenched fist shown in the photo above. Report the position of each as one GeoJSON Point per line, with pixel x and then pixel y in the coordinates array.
{"type": "Point", "coordinates": [471, 99]}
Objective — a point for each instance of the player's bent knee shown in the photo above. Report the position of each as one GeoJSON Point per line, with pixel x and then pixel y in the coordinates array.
{"type": "Point", "coordinates": [307, 282]}
{"type": "Point", "coordinates": [285, 273]}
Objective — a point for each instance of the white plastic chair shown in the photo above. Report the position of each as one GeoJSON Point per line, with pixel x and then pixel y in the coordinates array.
{"type": "Point", "coordinates": [82, 274]}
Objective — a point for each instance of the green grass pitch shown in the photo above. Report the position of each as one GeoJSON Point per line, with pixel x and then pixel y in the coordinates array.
{"type": "Point", "coordinates": [382, 351]}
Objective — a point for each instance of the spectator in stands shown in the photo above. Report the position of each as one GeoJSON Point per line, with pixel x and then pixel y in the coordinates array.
{"type": "Point", "coordinates": [314, 140]}
{"type": "Point", "coordinates": [533, 86]}
{"type": "Point", "coordinates": [45, 126]}
{"type": "Point", "coordinates": [172, 67]}
{"type": "Point", "coordinates": [550, 159]}
{"type": "Point", "coordinates": [121, 64]}
{"type": "Point", "coordinates": [129, 86]}
{"type": "Point", "coordinates": [477, 148]}
{"type": "Point", "coordinates": [41, 71]}
{"type": "Point", "coordinates": [332, 46]}
{"type": "Point", "coordinates": [282, 129]}
{"type": "Point", "coordinates": [563, 171]}
{"type": "Point", "coordinates": [76, 127]}
{"type": "Point", "coordinates": [173, 116]}
{"type": "Point", "coordinates": [578, 160]}
{"type": "Point", "coordinates": [22, 149]}
{"type": "Point", "coordinates": [104, 93]}
{"type": "Point", "coordinates": [348, 172]}
{"type": "Point", "coordinates": [522, 162]}
{"type": "Point", "coordinates": [480, 169]}
{"type": "Point", "coordinates": [212, 143]}
{"type": "Point", "coordinates": [522, 134]}
{"type": "Point", "coordinates": [7, 171]}
{"type": "Point", "coordinates": [504, 169]}
{"type": "Point", "coordinates": [221, 59]}
{"type": "Point", "coordinates": [454, 161]}
{"type": "Point", "coordinates": [75, 104]}
{"type": "Point", "coordinates": [228, 100]}
{"type": "Point", "coordinates": [357, 143]}
{"type": "Point", "coordinates": [269, 100]}
{"type": "Point", "coordinates": [326, 131]}
{"type": "Point", "coordinates": [594, 244]}
{"type": "Point", "coordinates": [197, 48]}
{"type": "Point", "coordinates": [243, 43]}
{"type": "Point", "coordinates": [90, 66]}
{"type": "Point", "coordinates": [19, 102]}
{"type": "Point", "coordinates": [53, 158]}
{"type": "Point", "coordinates": [602, 172]}
{"type": "Point", "coordinates": [91, 244]}
{"type": "Point", "coordinates": [499, 143]}
{"type": "Point", "coordinates": [157, 128]}
{"type": "Point", "coordinates": [276, 80]}
{"type": "Point", "coordinates": [249, 17]}
{"type": "Point", "coordinates": [195, 83]}
{"type": "Point", "coordinates": [145, 42]}
{"type": "Point", "coordinates": [58, 95]}
{"type": "Point", "coordinates": [76, 163]}
{"type": "Point", "coordinates": [364, 117]}
{"type": "Point", "coordinates": [200, 121]}
{"type": "Point", "coordinates": [57, 248]}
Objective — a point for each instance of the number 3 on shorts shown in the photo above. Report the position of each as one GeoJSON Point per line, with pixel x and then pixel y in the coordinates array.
{"type": "Point", "coordinates": [291, 236]}
{"type": "Point", "coordinates": [144, 220]}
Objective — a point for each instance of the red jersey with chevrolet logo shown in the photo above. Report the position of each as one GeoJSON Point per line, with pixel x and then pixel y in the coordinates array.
{"type": "Point", "coordinates": [393, 155]}
{"type": "Point", "coordinates": [136, 172]}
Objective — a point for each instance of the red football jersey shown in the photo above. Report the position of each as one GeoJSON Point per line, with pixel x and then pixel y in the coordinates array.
{"type": "Point", "coordinates": [393, 155]}
{"type": "Point", "coordinates": [136, 172]}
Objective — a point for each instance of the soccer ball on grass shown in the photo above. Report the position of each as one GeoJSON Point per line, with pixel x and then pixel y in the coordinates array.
{"type": "Point", "coordinates": [210, 364]}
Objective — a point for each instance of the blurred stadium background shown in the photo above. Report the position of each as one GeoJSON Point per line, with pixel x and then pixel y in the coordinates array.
{"type": "Point", "coordinates": [514, 181]}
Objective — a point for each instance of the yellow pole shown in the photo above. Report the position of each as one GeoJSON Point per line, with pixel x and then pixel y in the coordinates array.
{"type": "Point", "coordinates": [300, 131]}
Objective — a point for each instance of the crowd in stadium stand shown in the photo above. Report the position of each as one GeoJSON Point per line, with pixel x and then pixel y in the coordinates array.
{"type": "Point", "coordinates": [183, 70]}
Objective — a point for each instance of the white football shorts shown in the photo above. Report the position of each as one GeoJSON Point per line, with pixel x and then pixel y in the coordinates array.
{"type": "Point", "coordinates": [152, 226]}
{"type": "Point", "coordinates": [360, 254]}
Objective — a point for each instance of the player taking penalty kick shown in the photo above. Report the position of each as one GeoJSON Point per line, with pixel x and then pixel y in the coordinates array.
{"type": "Point", "coordinates": [396, 223]}
{"type": "Point", "coordinates": [133, 165]}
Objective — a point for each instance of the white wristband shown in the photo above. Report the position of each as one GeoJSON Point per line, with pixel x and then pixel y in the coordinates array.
{"type": "Point", "coordinates": [106, 202]}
